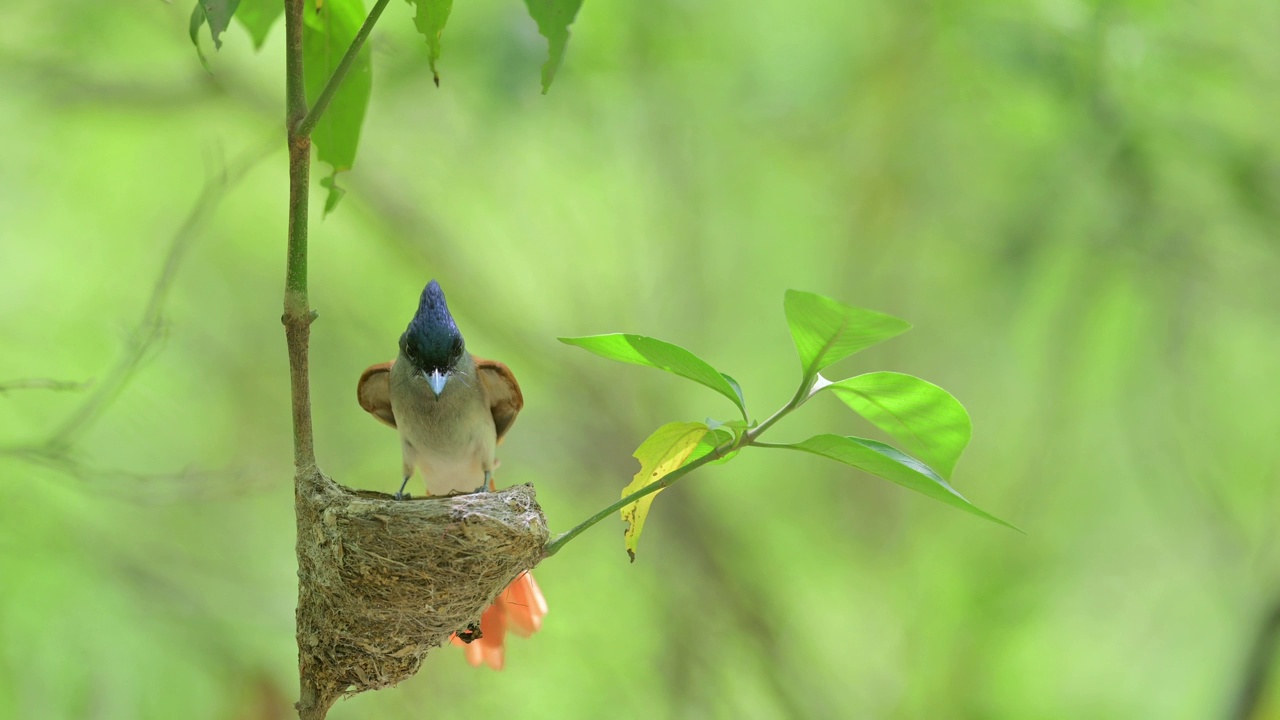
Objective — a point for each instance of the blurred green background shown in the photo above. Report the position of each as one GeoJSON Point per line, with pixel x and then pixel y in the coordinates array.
{"type": "Point", "coordinates": [1076, 204]}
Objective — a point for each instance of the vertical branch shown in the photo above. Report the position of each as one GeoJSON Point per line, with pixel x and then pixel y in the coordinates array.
{"type": "Point", "coordinates": [312, 703]}
{"type": "Point", "coordinates": [297, 313]}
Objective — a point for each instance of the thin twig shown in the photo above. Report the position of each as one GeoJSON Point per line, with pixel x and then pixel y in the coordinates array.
{"type": "Point", "coordinates": [150, 327]}
{"type": "Point", "coordinates": [340, 73]}
{"type": "Point", "coordinates": [58, 450]}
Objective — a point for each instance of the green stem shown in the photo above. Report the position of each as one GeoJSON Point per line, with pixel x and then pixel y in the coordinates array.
{"type": "Point", "coordinates": [297, 313]}
{"type": "Point", "coordinates": [559, 541]}
{"type": "Point", "coordinates": [803, 393]}
{"type": "Point", "coordinates": [340, 73]}
{"type": "Point", "coordinates": [313, 702]}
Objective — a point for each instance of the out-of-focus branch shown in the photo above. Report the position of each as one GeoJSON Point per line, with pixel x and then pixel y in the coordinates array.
{"type": "Point", "coordinates": [150, 327]}
{"type": "Point", "coordinates": [57, 451]}
{"type": "Point", "coordinates": [1258, 665]}
{"type": "Point", "coordinates": [41, 384]}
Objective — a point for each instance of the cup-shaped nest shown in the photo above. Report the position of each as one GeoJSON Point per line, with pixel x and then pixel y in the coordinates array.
{"type": "Point", "coordinates": [382, 581]}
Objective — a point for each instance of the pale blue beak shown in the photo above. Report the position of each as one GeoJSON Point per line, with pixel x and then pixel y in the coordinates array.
{"type": "Point", "coordinates": [436, 380]}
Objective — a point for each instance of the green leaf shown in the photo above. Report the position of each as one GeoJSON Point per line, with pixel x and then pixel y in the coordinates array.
{"type": "Point", "coordinates": [218, 14]}
{"type": "Point", "coordinates": [926, 419]}
{"type": "Point", "coordinates": [554, 18]}
{"type": "Point", "coordinates": [326, 35]}
{"type": "Point", "coordinates": [737, 390]}
{"type": "Point", "coordinates": [257, 17]}
{"type": "Point", "coordinates": [826, 331]}
{"type": "Point", "coordinates": [641, 350]}
{"type": "Point", "coordinates": [892, 465]}
{"type": "Point", "coordinates": [430, 20]}
{"type": "Point", "coordinates": [335, 193]}
{"type": "Point", "coordinates": [197, 21]}
{"type": "Point", "coordinates": [665, 450]}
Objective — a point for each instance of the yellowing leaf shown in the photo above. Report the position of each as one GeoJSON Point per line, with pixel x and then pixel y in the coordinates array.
{"type": "Point", "coordinates": [664, 451]}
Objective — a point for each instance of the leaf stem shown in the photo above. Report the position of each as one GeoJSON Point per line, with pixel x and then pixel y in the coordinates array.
{"type": "Point", "coordinates": [312, 117]}
{"type": "Point", "coordinates": [747, 438]}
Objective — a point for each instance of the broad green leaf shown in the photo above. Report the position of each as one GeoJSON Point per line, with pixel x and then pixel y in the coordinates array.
{"type": "Point", "coordinates": [430, 20]}
{"type": "Point", "coordinates": [737, 390]}
{"type": "Point", "coordinates": [641, 350]}
{"type": "Point", "coordinates": [892, 465]}
{"type": "Point", "coordinates": [257, 17]}
{"type": "Point", "coordinates": [825, 331]}
{"type": "Point", "coordinates": [554, 18]}
{"type": "Point", "coordinates": [664, 451]}
{"type": "Point", "coordinates": [926, 419]}
{"type": "Point", "coordinates": [218, 14]}
{"type": "Point", "coordinates": [326, 35]}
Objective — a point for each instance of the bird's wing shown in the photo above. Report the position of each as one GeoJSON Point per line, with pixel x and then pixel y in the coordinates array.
{"type": "Point", "coordinates": [374, 392]}
{"type": "Point", "coordinates": [501, 391]}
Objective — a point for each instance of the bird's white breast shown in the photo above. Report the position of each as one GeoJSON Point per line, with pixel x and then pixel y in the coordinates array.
{"type": "Point", "coordinates": [451, 439]}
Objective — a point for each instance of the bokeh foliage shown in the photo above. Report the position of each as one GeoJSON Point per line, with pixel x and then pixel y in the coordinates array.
{"type": "Point", "coordinates": [1075, 204]}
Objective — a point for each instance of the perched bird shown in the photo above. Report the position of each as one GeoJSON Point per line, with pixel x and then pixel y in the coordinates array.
{"type": "Point", "coordinates": [452, 409]}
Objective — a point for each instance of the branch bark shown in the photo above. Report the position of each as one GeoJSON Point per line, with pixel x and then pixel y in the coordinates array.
{"type": "Point", "coordinates": [297, 319]}
{"type": "Point", "coordinates": [310, 486]}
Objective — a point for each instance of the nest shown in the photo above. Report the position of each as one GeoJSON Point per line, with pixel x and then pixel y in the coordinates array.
{"type": "Point", "coordinates": [382, 581]}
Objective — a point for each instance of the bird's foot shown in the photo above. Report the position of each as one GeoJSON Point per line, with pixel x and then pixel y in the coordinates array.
{"type": "Point", "coordinates": [485, 487]}
{"type": "Point", "coordinates": [401, 494]}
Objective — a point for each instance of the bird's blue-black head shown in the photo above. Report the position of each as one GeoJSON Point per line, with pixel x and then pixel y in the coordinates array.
{"type": "Point", "coordinates": [432, 341]}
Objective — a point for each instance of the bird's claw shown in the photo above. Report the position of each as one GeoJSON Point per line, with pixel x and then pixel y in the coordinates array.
{"type": "Point", "coordinates": [485, 486]}
{"type": "Point", "coordinates": [401, 494]}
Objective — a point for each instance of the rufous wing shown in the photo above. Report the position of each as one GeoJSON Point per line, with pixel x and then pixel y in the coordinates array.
{"type": "Point", "coordinates": [502, 392]}
{"type": "Point", "coordinates": [374, 392]}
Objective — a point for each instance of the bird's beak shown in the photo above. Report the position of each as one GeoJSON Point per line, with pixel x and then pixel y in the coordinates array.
{"type": "Point", "coordinates": [436, 380]}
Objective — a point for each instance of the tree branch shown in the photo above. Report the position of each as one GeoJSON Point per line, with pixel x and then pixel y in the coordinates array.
{"type": "Point", "coordinates": [297, 313]}
{"type": "Point", "coordinates": [150, 327]}
{"type": "Point", "coordinates": [313, 702]}
{"type": "Point", "coordinates": [340, 73]}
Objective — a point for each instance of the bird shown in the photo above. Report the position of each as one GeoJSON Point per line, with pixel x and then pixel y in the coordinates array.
{"type": "Point", "coordinates": [452, 409]}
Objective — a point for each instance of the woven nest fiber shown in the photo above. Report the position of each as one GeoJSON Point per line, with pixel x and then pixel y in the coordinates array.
{"type": "Point", "coordinates": [382, 581]}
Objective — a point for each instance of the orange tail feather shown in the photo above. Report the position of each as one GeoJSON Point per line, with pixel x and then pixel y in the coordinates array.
{"type": "Point", "coordinates": [519, 608]}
